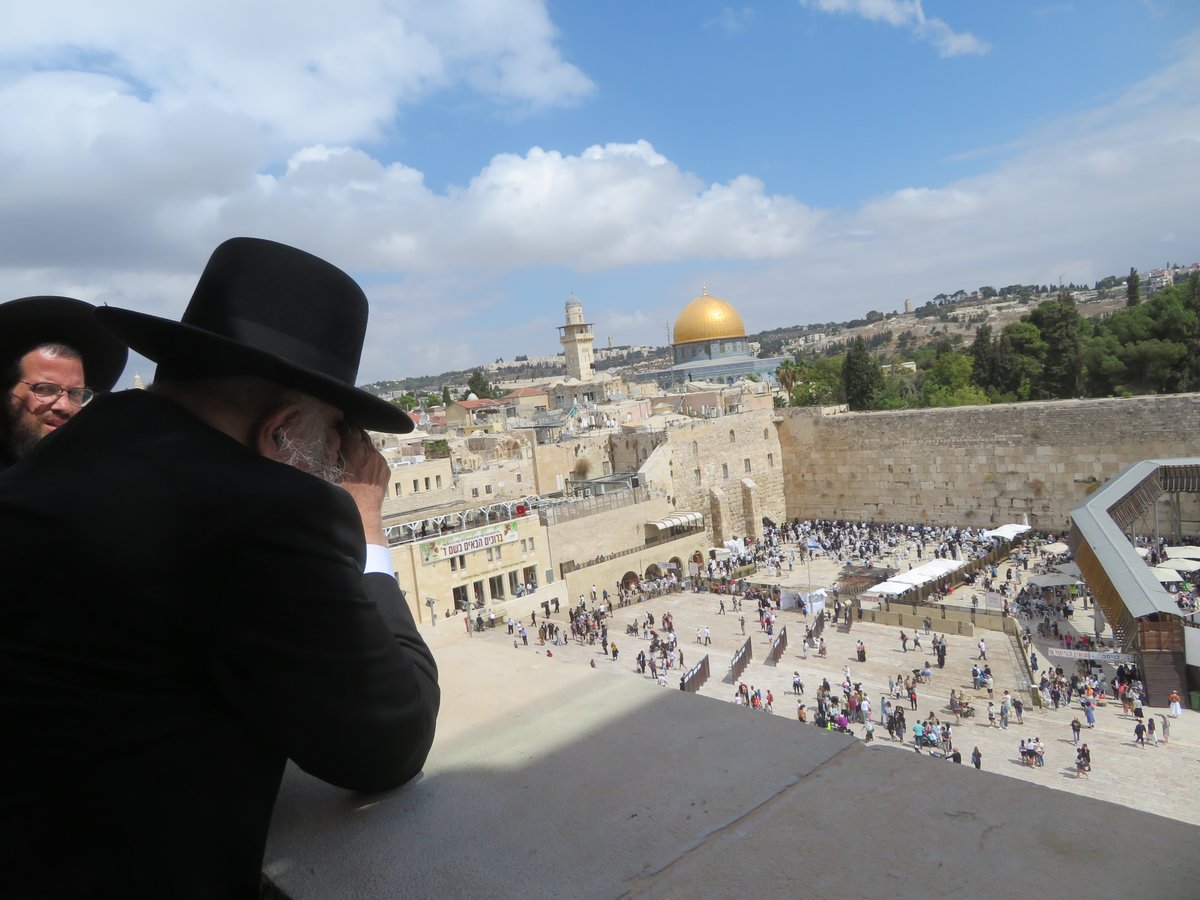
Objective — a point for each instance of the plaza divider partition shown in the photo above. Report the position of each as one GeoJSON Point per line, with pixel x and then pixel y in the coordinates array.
{"type": "Point", "coordinates": [740, 660]}
{"type": "Point", "coordinates": [695, 677]}
{"type": "Point", "coordinates": [779, 645]}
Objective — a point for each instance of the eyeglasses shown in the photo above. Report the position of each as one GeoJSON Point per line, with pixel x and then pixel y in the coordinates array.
{"type": "Point", "coordinates": [48, 392]}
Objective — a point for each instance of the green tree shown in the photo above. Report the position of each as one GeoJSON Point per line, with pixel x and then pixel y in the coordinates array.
{"type": "Point", "coordinates": [983, 357]}
{"type": "Point", "coordinates": [862, 376]}
{"type": "Point", "coordinates": [1154, 346]}
{"type": "Point", "coordinates": [445, 395]}
{"type": "Point", "coordinates": [901, 390]}
{"type": "Point", "coordinates": [818, 383]}
{"type": "Point", "coordinates": [439, 449]}
{"type": "Point", "coordinates": [1158, 363]}
{"type": "Point", "coordinates": [786, 375]}
{"type": "Point", "coordinates": [1061, 328]}
{"type": "Point", "coordinates": [950, 370]}
{"type": "Point", "coordinates": [1019, 354]}
{"type": "Point", "coordinates": [948, 382]}
{"type": "Point", "coordinates": [478, 385]}
{"type": "Point", "coordinates": [1103, 367]}
{"type": "Point", "coordinates": [1132, 294]}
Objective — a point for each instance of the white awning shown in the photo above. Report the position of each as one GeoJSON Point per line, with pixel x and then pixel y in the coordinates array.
{"type": "Point", "coordinates": [1056, 547]}
{"type": "Point", "coordinates": [1044, 581]}
{"type": "Point", "coordinates": [1006, 532]}
{"type": "Point", "coordinates": [1165, 575]}
{"type": "Point", "coordinates": [1188, 552]}
{"type": "Point", "coordinates": [891, 588]}
{"type": "Point", "coordinates": [929, 572]}
{"type": "Point", "coordinates": [1068, 569]}
{"type": "Point", "coordinates": [689, 519]}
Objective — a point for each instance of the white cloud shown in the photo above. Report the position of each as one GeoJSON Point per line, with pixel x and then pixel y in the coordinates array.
{"type": "Point", "coordinates": [303, 71]}
{"type": "Point", "coordinates": [123, 175]}
{"type": "Point", "coordinates": [732, 20]}
{"type": "Point", "coordinates": [910, 15]}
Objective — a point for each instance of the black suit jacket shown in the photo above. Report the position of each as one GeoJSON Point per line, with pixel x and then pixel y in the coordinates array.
{"type": "Point", "coordinates": [178, 616]}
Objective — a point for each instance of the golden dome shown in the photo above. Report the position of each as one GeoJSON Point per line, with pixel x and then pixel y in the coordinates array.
{"type": "Point", "coordinates": [708, 318]}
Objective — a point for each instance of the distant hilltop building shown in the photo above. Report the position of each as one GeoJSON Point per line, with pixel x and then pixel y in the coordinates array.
{"type": "Point", "coordinates": [709, 344]}
{"type": "Point", "coordinates": [577, 339]}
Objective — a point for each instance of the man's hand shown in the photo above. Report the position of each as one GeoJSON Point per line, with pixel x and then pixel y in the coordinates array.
{"type": "Point", "coordinates": [365, 480]}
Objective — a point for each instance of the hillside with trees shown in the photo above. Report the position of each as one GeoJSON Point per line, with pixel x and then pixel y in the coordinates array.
{"type": "Point", "coordinates": [1052, 352]}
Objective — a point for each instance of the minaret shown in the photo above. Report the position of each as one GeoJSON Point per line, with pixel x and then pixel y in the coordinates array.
{"type": "Point", "coordinates": [576, 337]}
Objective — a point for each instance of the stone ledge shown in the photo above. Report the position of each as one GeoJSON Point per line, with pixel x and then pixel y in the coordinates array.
{"type": "Point", "coordinates": [551, 780]}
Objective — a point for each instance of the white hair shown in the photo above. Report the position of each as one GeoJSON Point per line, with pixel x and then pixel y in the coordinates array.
{"type": "Point", "coordinates": [304, 443]}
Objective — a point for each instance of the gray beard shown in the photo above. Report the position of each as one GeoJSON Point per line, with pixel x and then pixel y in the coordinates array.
{"type": "Point", "coordinates": [310, 456]}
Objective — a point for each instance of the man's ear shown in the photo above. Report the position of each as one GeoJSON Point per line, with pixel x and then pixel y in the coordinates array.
{"type": "Point", "coordinates": [267, 439]}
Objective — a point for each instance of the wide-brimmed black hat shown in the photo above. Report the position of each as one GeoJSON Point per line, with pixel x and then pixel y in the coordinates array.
{"type": "Point", "coordinates": [275, 312]}
{"type": "Point", "coordinates": [32, 321]}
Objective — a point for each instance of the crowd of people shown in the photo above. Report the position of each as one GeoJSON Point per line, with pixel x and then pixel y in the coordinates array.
{"type": "Point", "coordinates": [1047, 616]}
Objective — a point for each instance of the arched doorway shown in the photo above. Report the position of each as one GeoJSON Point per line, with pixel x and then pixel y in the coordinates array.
{"type": "Point", "coordinates": [653, 571]}
{"type": "Point", "coordinates": [630, 580]}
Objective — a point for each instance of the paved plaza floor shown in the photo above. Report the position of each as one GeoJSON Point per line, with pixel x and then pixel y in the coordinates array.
{"type": "Point", "coordinates": [1159, 780]}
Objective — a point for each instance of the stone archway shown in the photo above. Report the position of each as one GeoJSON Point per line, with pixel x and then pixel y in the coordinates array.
{"type": "Point", "coordinates": [653, 571]}
{"type": "Point", "coordinates": [630, 580]}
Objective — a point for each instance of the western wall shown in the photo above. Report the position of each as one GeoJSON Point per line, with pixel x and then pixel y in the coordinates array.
{"type": "Point", "coordinates": [979, 465]}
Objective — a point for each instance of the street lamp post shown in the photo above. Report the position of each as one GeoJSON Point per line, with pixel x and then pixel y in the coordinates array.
{"type": "Point", "coordinates": [430, 602]}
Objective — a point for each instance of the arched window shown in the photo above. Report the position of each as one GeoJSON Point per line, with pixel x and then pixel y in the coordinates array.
{"type": "Point", "coordinates": [732, 438]}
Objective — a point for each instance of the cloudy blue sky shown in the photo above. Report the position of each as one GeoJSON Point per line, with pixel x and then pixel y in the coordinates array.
{"type": "Point", "coordinates": [473, 162]}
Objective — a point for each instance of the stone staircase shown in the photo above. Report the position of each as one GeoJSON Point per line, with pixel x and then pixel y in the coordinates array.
{"type": "Point", "coordinates": [1163, 671]}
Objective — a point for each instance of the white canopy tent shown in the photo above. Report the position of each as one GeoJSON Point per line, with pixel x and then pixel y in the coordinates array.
{"type": "Point", "coordinates": [890, 588]}
{"type": "Point", "coordinates": [923, 574]}
{"type": "Point", "coordinates": [1068, 569]}
{"type": "Point", "coordinates": [1006, 532]}
{"type": "Point", "coordinates": [1056, 547]}
{"type": "Point", "coordinates": [1045, 581]}
{"type": "Point", "coordinates": [1165, 575]}
{"type": "Point", "coordinates": [930, 571]}
{"type": "Point", "coordinates": [1183, 564]}
{"type": "Point", "coordinates": [815, 601]}
{"type": "Point", "coordinates": [1188, 552]}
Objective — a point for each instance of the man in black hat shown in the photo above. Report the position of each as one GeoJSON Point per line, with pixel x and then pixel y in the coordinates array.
{"type": "Point", "coordinates": [189, 602]}
{"type": "Point", "coordinates": [54, 356]}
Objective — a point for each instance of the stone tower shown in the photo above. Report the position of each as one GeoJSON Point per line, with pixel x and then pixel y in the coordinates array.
{"type": "Point", "coordinates": [576, 337]}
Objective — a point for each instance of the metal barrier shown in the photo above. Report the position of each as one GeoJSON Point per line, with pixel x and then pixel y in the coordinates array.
{"type": "Point", "coordinates": [695, 677]}
{"type": "Point", "coordinates": [741, 659]}
{"type": "Point", "coordinates": [779, 645]}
